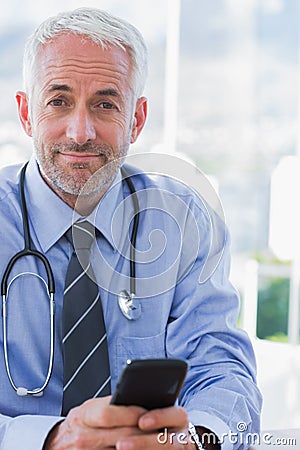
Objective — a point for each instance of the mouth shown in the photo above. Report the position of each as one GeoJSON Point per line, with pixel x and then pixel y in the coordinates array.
{"type": "Point", "coordinates": [80, 157]}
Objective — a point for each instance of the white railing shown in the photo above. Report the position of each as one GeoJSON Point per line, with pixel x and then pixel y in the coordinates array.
{"type": "Point", "coordinates": [278, 363]}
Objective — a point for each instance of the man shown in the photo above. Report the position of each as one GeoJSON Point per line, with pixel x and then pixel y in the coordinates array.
{"type": "Point", "coordinates": [83, 106]}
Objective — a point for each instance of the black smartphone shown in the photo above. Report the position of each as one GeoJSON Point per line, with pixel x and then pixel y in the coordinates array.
{"type": "Point", "coordinates": [150, 383]}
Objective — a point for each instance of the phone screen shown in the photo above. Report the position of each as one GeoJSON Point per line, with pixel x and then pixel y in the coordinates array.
{"type": "Point", "coordinates": [150, 383]}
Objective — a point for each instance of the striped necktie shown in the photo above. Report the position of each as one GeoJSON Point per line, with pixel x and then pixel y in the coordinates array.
{"type": "Point", "coordinates": [86, 364]}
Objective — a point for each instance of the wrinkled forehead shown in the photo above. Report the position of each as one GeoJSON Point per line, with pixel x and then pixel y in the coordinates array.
{"type": "Point", "coordinates": [80, 52]}
{"type": "Point", "coordinates": [76, 46]}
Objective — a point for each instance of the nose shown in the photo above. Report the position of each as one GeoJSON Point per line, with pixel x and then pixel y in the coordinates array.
{"type": "Point", "coordinates": [80, 126]}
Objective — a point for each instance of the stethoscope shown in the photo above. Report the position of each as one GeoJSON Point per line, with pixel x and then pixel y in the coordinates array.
{"type": "Point", "coordinates": [129, 306]}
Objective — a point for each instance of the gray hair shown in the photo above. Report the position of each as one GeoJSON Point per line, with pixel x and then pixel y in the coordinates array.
{"type": "Point", "coordinates": [102, 28]}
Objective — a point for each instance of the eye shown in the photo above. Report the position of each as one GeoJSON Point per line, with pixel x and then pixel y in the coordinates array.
{"type": "Point", "coordinates": [57, 102]}
{"type": "Point", "coordinates": [106, 105]}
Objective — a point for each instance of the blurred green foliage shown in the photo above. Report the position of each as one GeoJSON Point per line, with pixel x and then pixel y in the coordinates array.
{"type": "Point", "coordinates": [273, 308]}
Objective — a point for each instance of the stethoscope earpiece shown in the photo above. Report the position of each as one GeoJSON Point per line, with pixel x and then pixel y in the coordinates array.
{"type": "Point", "coordinates": [22, 392]}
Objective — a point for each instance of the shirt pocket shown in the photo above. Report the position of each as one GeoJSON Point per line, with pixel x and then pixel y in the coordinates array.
{"type": "Point", "coordinates": [138, 348]}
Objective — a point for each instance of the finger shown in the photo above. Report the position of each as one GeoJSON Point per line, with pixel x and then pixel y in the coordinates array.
{"type": "Point", "coordinates": [107, 438]}
{"type": "Point", "coordinates": [73, 437]}
{"type": "Point", "coordinates": [173, 417]}
{"type": "Point", "coordinates": [98, 413]}
{"type": "Point", "coordinates": [169, 439]}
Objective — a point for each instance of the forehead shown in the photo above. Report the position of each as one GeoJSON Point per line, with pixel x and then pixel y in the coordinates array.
{"type": "Point", "coordinates": [71, 56]}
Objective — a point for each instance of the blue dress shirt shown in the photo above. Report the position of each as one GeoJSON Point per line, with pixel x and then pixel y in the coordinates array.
{"type": "Point", "coordinates": [188, 306]}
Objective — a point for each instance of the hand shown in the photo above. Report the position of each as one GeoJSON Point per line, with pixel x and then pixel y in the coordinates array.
{"type": "Point", "coordinates": [163, 429]}
{"type": "Point", "coordinates": [98, 425]}
{"type": "Point", "coordinates": [94, 425]}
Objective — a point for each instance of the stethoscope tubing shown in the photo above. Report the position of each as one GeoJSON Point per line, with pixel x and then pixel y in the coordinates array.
{"type": "Point", "coordinates": [135, 228]}
{"type": "Point", "coordinates": [21, 391]}
{"type": "Point", "coordinates": [126, 305]}
{"type": "Point", "coordinates": [27, 251]}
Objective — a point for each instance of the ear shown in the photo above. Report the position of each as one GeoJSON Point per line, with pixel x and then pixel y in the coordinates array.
{"type": "Point", "coordinates": [23, 110]}
{"type": "Point", "coordinates": [139, 118]}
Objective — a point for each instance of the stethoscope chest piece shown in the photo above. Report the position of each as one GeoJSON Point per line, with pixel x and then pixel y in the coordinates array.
{"type": "Point", "coordinates": [130, 308]}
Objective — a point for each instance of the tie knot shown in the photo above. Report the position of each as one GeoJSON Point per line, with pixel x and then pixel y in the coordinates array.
{"type": "Point", "coordinates": [83, 235]}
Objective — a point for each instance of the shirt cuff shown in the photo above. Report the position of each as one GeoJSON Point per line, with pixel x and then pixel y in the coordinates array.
{"type": "Point", "coordinates": [28, 432]}
{"type": "Point", "coordinates": [214, 424]}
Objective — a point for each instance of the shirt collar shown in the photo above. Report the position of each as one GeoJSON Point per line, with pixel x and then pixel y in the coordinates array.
{"type": "Point", "coordinates": [108, 212]}
{"type": "Point", "coordinates": [49, 227]}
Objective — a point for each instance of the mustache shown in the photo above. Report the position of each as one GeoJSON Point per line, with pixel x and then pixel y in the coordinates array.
{"type": "Point", "coordinates": [87, 147]}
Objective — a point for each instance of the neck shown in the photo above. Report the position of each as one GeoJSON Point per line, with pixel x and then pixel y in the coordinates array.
{"type": "Point", "coordinates": [83, 204]}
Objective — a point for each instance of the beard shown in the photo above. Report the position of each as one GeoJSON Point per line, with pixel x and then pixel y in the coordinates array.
{"type": "Point", "coordinates": [81, 178]}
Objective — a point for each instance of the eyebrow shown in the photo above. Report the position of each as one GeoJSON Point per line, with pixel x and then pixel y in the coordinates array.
{"type": "Point", "coordinates": [109, 92]}
{"type": "Point", "coordinates": [101, 92]}
{"type": "Point", "coordinates": [59, 87]}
